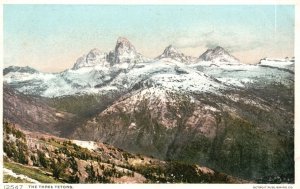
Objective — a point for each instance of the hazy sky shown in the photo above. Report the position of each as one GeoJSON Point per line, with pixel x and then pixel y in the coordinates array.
{"type": "Point", "coordinates": [51, 37]}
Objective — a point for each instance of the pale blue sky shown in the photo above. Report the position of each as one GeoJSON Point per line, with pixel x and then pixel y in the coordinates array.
{"type": "Point", "coordinates": [52, 37]}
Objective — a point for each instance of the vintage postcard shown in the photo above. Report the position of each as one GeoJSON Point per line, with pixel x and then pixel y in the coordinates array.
{"type": "Point", "coordinates": [145, 93]}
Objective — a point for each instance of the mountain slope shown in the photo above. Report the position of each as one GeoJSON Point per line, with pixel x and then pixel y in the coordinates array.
{"type": "Point", "coordinates": [48, 159]}
{"type": "Point", "coordinates": [218, 54]}
{"type": "Point", "coordinates": [31, 112]}
{"type": "Point", "coordinates": [173, 53]}
{"type": "Point", "coordinates": [229, 133]}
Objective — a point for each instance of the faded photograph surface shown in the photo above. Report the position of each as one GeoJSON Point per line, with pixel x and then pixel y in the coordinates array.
{"type": "Point", "coordinates": [148, 94]}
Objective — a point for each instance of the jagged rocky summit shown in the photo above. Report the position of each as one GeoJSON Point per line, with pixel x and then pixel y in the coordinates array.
{"type": "Point", "coordinates": [124, 52]}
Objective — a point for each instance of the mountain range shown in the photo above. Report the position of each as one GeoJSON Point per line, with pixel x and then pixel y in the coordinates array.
{"type": "Point", "coordinates": [213, 110]}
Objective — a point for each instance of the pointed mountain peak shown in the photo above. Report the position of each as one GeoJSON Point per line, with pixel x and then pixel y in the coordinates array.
{"type": "Point", "coordinates": [218, 54]}
{"type": "Point", "coordinates": [173, 53]}
{"type": "Point", "coordinates": [95, 51]}
{"type": "Point", "coordinates": [219, 48]}
{"type": "Point", "coordinates": [93, 58]}
{"type": "Point", "coordinates": [125, 52]}
{"type": "Point", "coordinates": [124, 43]}
{"type": "Point", "coordinates": [170, 49]}
{"type": "Point", "coordinates": [122, 39]}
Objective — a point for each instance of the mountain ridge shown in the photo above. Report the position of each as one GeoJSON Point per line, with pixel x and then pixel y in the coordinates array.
{"type": "Point", "coordinates": [124, 52]}
{"type": "Point", "coordinates": [232, 117]}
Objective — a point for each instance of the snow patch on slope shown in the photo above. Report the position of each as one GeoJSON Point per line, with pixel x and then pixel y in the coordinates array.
{"type": "Point", "coordinates": [11, 173]}
{"type": "Point", "coordinates": [86, 144]}
{"type": "Point", "coordinates": [278, 63]}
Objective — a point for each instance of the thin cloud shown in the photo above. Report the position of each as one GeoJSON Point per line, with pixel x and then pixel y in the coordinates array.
{"type": "Point", "coordinates": [246, 46]}
{"type": "Point", "coordinates": [208, 34]}
{"type": "Point", "coordinates": [211, 44]}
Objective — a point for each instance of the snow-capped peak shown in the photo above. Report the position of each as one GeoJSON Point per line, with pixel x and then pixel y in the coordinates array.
{"type": "Point", "coordinates": [218, 54]}
{"type": "Point", "coordinates": [170, 50]}
{"type": "Point", "coordinates": [219, 49]}
{"type": "Point", "coordinates": [173, 53]}
{"type": "Point", "coordinates": [93, 58]}
{"type": "Point", "coordinates": [123, 44]}
{"type": "Point", "coordinates": [124, 51]}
